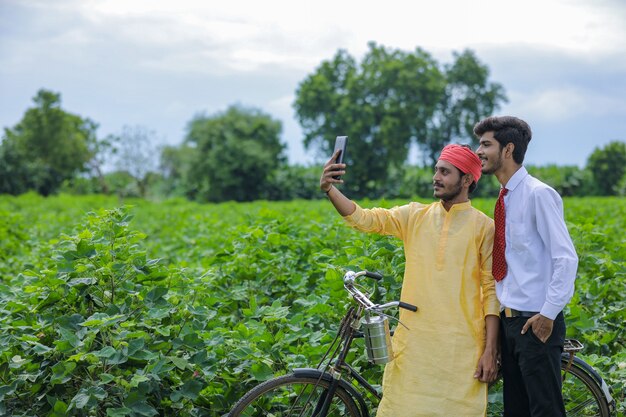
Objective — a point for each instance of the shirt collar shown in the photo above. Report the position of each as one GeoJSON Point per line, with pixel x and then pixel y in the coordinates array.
{"type": "Point", "coordinates": [516, 179]}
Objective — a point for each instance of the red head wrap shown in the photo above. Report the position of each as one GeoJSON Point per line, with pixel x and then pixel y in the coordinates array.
{"type": "Point", "coordinates": [463, 158]}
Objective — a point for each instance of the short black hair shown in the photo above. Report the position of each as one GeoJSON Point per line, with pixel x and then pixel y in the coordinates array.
{"type": "Point", "coordinates": [507, 129]}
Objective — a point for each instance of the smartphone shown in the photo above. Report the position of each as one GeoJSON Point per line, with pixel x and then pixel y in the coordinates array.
{"type": "Point", "coordinates": [340, 144]}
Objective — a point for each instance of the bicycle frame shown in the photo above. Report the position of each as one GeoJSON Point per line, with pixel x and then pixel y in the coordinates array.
{"type": "Point", "coordinates": [333, 381]}
{"type": "Point", "coordinates": [348, 331]}
{"type": "Point", "coordinates": [334, 372]}
{"type": "Point", "coordinates": [337, 371]}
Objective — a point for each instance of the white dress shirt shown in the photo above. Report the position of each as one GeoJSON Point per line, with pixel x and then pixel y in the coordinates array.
{"type": "Point", "coordinates": [540, 256]}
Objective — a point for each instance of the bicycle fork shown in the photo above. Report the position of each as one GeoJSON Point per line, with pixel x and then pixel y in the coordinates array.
{"type": "Point", "coordinates": [323, 404]}
{"type": "Point", "coordinates": [321, 409]}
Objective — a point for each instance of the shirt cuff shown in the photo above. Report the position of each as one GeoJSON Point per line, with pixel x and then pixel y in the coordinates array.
{"type": "Point", "coordinates": [550, 310]}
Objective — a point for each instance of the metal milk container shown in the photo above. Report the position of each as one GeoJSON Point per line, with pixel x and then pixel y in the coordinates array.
{"type": "Point", "coordinates": [377, 339]}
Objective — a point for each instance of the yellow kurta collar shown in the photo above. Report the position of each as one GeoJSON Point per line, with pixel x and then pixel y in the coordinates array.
{"type": "Point", "coordinates": [456, 207]}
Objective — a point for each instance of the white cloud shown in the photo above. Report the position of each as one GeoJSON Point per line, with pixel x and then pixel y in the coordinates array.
{"type": "Point", "coordinates": [554, 105]}
{"type": "Point", "coordinates": [239, 25]}
{"type": "Point", "coordinates": [282, 104]}
{"type": "Point", "coordinates": [563, 104]}
{"type": "Point", "coordinates": [157, 62]}
{"type": "Point", "coordinates": [247, 35]}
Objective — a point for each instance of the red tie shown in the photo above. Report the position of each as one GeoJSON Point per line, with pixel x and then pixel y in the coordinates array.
{"type": "Point", "coordinates": [499, 242]}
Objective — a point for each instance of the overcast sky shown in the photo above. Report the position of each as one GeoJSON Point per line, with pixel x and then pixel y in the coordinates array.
{"type": "Point", "coordinates": [156, 63]}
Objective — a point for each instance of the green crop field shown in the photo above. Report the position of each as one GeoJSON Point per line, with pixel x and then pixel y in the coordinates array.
{"type": "Point", "coordinates": [136, 308]}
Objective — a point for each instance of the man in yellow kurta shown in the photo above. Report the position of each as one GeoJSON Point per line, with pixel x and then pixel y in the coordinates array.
{"type": "Point", "coordinates": [448, 354]}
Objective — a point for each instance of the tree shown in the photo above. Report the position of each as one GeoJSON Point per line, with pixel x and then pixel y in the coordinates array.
{"type": "Point", "coordinates": [235, 152]}
{"type": "Point", "coordinates": [135, 153]}
{"type": "Point", "coordinates": [468, 97]}
{"type": "Point", "coordinates": [174, 167]}
{"type": "Point", "coordinates": [567, 180]}
{"type": "Point", "coordinates": [392, 99]}
{"type": "Point", "coordinates": [294, 182]}
{"type": "Point", "coordinates": [381, 105]}
{"type": "Point", "coordinates": [608, 166]}
{"type": "Point", "coordinates": [48, 146]}
{"type": "Point", "coordinates": [101, 151]}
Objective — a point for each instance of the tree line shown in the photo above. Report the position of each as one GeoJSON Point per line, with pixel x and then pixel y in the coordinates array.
{"type": "Point", "coordinates": [388, 102]}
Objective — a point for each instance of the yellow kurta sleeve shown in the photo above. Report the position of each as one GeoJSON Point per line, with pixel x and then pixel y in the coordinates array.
{"type": "Point", "coordinates": [491, 306]}
{"type": "Point", "coordinates": [382, 221]}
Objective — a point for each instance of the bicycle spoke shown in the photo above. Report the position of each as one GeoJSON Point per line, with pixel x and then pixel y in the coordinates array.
{"type": "Point", "coordinates": [294, 400]}
{"type": "Point", "coordinates": [306, 405]}
{"type": "Point", "coordinates": [579, 400]}
{"type": "Point", "coordinates": [590, 403]}
{"type": "Point", "coordinates": [581, 396]}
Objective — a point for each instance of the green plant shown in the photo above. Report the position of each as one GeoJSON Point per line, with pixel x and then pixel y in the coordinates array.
{"type": "Point", "coordinates": [100, 330]}
{"type": "Point", "coordinates": [187, 306]}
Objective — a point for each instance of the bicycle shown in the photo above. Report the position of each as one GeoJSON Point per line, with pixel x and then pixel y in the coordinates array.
{"type": "Point", "coordinates": [584, 391]}
{"type": "Point", "coordinates": [331, 388]}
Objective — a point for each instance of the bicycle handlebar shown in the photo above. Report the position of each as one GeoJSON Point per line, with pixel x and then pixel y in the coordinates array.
{"type": "Point", "coordinates": [407, 306]}
{"type": "Point", "coordinates": [348, 282]}
{"type": "Point", "coordinates": [373, 275]}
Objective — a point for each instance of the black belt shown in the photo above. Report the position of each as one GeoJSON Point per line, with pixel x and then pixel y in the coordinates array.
{"type": "Point", "coordinates": [509, 312]}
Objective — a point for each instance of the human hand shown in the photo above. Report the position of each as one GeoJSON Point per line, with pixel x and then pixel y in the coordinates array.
{"type": "Point", "coordinates": [487, 368]}
{"type": "Point", "coordinates": [331, 169]}
{"type": "Point", "coordinates": [541, 325]}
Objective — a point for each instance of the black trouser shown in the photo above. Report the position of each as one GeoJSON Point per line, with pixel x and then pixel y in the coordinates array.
{"type": "Point", "coordinates": [531, 369]}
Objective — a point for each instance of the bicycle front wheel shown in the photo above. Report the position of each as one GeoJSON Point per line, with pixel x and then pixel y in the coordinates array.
{"type": "Point", "coordinates": [289, 395]}
{"type": "Point", "coordinates": [582, 395]}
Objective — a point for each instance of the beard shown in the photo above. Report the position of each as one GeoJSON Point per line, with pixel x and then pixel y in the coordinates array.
{"type": "Point", "coordinates": [450, 194]}
{"type": "Point", "coordinates": [496, 165]}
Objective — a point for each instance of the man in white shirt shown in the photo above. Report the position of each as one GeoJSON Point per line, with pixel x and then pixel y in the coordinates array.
{"type": "Point", "coordinates": [534, 266]}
